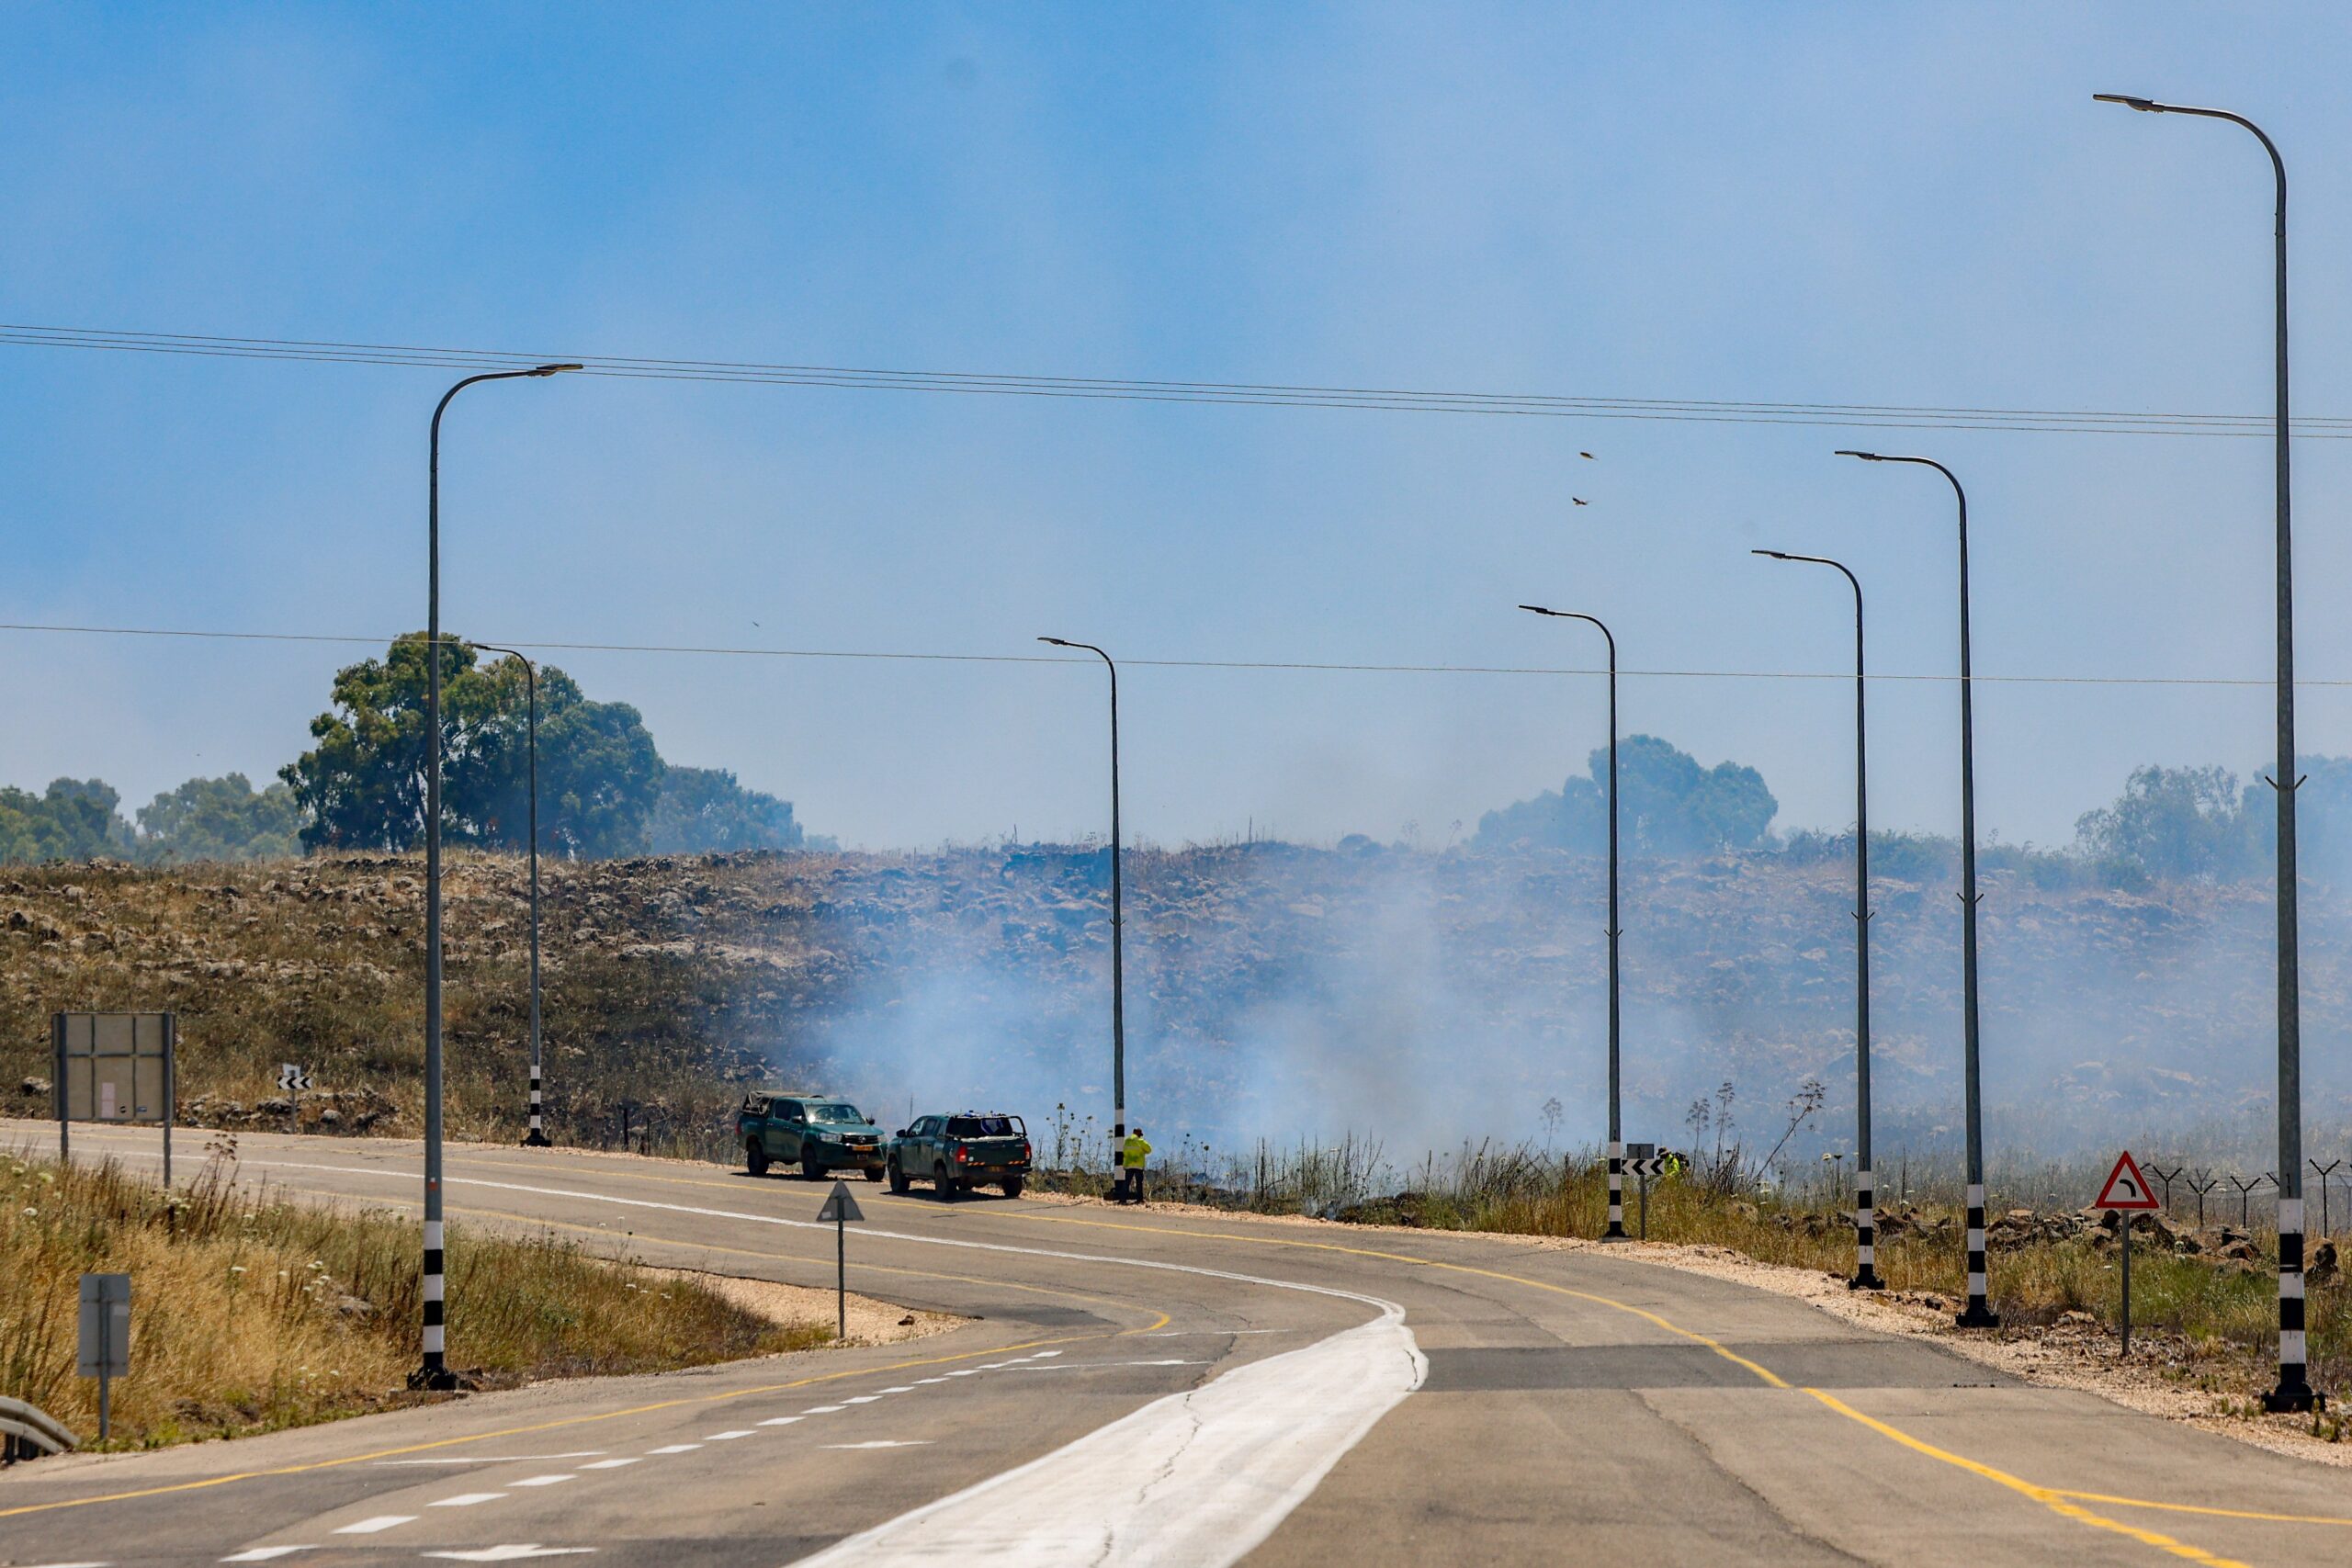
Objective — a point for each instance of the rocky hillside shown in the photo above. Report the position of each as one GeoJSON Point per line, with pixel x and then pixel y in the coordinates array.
{"type": "Point", "coordinates": [1271, 990]}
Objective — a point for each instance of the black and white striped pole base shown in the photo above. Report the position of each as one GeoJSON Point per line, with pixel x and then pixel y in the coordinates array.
{"type": "Point", "coordinates": [1616, 1231]}
{"type": "Point", "coordinates": [1865, 1238]}
{"type": "Point", "coordinates": [1980, 1306]}
{"type": "Point", "coordinates": [435, 1374]}
{"type": "Point", "coordinates": [538, 1138]}
{"type": "Point", "coordinates": [2294, 1393]}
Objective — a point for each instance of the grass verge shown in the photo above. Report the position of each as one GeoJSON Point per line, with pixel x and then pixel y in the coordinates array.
{"type": "Point", "coordinates": [250, 1313]}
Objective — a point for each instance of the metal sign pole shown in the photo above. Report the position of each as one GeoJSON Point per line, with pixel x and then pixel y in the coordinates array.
{"type": "Point", "coordinates": [2127, 1285]}
{"type": "Point", "coordinates": [841, 1275]}
{"type": "Point", "coordinates": [64, 1122]}
{"type": "Point", "coordinates": [171, 1041]}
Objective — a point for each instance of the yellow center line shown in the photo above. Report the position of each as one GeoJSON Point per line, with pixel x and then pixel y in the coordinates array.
{"type": "Point", "coordinates": [550, 1425]}
{"type": "Point", "coordinates": [2058, 1500]}
{"type": "Point", "coordinates": [609, 1234]}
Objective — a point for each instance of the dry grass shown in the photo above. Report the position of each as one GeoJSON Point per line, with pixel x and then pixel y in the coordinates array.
{"type": "Point", "coordinates": [250, 1313]}
{"type": "Point", "coordinates": [2224, 1311]}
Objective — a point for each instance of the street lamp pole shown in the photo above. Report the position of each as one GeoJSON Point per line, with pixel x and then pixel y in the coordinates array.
{"type": "Point", "coordinates": [1865, 1217]}
{"type": "Point", "coordinates": [2294, 1392]}
{"type": "Point", "coordinates": [1980, 1308]}
{"type": "Point", "coordinates": [434, 1373]}
{"type": "Point", "coordinates": [537, 1136]}
{"type": "Point", "coordinates": [1616, 1231]}
{"type": "Point", "coordinates": [1118, 925]}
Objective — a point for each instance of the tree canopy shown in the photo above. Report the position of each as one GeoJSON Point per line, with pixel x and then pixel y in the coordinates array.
{"type": "Point", "coordinates": [1671, 807]}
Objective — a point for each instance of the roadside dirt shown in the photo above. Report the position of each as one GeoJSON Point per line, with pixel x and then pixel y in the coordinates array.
{"type": "Point", "coordinates": [871, 1322]}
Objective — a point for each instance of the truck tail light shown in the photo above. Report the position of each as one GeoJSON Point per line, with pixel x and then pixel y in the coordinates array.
{"type": "Point", "coordinates": [963, 1156]}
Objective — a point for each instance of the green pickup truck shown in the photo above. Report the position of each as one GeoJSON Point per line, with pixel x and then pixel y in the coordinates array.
{"type": "Point", "coordinates": [815, 1132]}
{"type": "Point", "coordinates": [957, 1153]}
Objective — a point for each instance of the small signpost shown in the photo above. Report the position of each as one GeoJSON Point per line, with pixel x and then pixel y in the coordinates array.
{"type": "Point", "coordinates": [1643, 1161]}
{"type": "Point", "coordinates": [114, 1066]}
{"type": "Point", "coordinates": [106, 1336]}
{"type": "Point", "coordinates": [2125, 1192]}
{"type": "Point", "coordinates": [292, 1079]}
{"type": "Point", "coordinates": [843, 1210]}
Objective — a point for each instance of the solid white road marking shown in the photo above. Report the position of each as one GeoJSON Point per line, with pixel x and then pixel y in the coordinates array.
{"type": "Point", "coordinates": [1197, 1480]}
{"type": "Point", "coordinates": [1293, 1416]}
{"type": "Point", "coordinates": [466, 1499]}
{"type": "Point", "coordinates": [542, 1480]}
{"type": "Point", "coordinates": [381, 1522]}
{"type": "Point", "coordinates": [263, 1553]}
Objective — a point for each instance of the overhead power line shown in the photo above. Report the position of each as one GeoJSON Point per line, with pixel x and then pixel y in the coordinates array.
{"type": "Point", "coordinates": [1301, 666]}
{"type": "Point", "coordinates": [1246, 394]}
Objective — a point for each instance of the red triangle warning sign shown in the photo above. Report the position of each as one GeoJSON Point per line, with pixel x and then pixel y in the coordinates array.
{"type": "Point", "coordinates": [2126, 1188]}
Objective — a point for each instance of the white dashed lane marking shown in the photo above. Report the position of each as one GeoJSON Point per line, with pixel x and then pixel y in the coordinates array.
{"type": "Point", "coordinates": [823, 1409]}
{"type": "Point", "coordinates": [614, 1464]}
{"type": "Point", "coordinates": [510, 1552]}
{"type": "Point", "coordinates": [542, 1480]}
{"type": "Point", "coordinates": [882, 1443]}
{"type": "Point", "coordinates": [381, 1522]}
{"type": "Point", "coordinates": [725, 1436]}
{"type": "Point", "coordinates": [779, 1420]}
{"type": "Point", "coordinates": [263, 1553]}
{"type": "Point", "coordinates": [466, 1499]}
{"type": "Point", "coordinates": [675, 1448]}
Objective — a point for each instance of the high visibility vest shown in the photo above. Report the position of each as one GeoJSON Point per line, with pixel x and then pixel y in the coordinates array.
{"type": "Point", "coordinates": [1132, 1152]}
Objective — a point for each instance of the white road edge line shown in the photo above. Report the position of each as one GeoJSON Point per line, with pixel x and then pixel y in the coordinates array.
{"type": "Point", "coordinates": [1282, 1422]}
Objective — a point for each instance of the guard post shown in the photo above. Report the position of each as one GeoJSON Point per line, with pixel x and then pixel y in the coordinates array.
{"type": "Point", "coordinates": [114, 1066]}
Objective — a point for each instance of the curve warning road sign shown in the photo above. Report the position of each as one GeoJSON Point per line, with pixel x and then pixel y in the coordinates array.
{"type": "Point", "coordinates": [2126, 1188]}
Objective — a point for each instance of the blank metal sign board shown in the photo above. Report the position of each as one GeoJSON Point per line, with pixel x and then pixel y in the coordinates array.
{"type": "Point", "coordinates": [840, 1207]}
{"type": "Point", "coordinates": [114, 1066]}
{"type": "Point", "coordinates": [106, 1325]}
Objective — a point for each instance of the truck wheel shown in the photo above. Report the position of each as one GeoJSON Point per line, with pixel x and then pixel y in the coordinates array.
{"type": "Point", "coordinates": [948, 1188]}
{"type": "Point", "coordinates": [1013, 1187]}
{"type": "Point", "coordinates": [899, 1183]}
{"type": "Point", "coordinates": [756, 1158]}
{"type": "Point", "coordinates": [873, 1173]}
{"type": "Point", "coordinates": [809, 1169]}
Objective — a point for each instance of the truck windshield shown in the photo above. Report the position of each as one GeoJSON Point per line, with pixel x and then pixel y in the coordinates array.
{"type": "Point", "coordinates": [983, 1127]}
{"type": "Point", "coordinates": [838, 1110]}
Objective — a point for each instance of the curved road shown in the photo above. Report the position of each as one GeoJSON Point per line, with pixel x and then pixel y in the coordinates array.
{"type": "Point", "coordinates": [1173, 1388]}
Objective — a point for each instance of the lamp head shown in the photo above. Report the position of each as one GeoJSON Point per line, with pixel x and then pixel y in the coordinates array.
{"type": "Point", "coordinates": [1538, 610]}
{"type": "Point", "coordinates": [1865, 456]}
{"type": "Point", "coordinates": [1776, 555]}
{"type": "Point", "coordinates": [2146, 106]}
{"type": "Point", "coordinates": [553, 370]}
{"type": "Point", "coordinates": [1055, 640]}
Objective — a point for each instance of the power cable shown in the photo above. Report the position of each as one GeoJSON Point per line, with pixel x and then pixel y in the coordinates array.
{"type": "Point", "coordinates": [1297, 666]}
{"type": "Point", "coordinates": [1233, 393]}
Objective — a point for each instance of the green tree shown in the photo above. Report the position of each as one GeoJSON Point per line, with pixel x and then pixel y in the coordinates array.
{"type": "Point", "coordinates": [1672, 807]}
{"type": "Point", "coordinates": [704, 810]}
{"type": "Point", "coordinates": [362, 785]}
{"type": "Point", "coordinates": [72, 820]}
{"type": "Point", "coordinates": [220, 819]}
{"type": "Point", "coordinates": [2175, 824]}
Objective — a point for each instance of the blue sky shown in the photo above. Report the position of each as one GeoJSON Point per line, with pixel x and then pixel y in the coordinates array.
{"type": "Point", "coordinates": [1913, 205]}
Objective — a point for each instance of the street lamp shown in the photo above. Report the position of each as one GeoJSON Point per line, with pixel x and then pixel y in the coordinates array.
{"type": "Point", "coordinates": [1118, 972]}
{"type": "Point", "coordinates": [2294, 1392]}
{"type": "Point", "coordinates": [1980, 1308]}
{"type": "Point", "coordinates": [1616, 1231]}
{"type": "Point", "coordinates": [1865, 1221]}
{"type": "Point", "coordinates": [435, 1371]}
{"type": "Point", "coordinates": [537, 1136]}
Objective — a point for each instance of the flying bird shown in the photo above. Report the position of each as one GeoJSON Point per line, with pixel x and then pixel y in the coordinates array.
{"type": "Point", "coordinates": [1584, 454]}
{"type": "Point", "coordinates": [1579, 500]}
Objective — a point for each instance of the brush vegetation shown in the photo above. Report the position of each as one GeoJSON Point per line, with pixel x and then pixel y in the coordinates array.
{"type": "Point", "coordinates": [2211, 1313]}
{"type": "Point", "coordinates": [250, 1313]}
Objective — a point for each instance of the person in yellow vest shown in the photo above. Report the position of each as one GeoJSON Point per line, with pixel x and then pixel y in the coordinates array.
{"type": "Point", "coordinates": [1131, 1153]}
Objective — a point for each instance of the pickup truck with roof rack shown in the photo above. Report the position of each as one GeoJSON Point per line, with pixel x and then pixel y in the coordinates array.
{"type": "Point", "coordinates": [957, 1153]}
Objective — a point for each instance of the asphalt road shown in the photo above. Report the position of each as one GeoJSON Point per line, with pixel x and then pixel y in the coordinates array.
{"type": "Point", "coordinates": [1175, 1388]}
